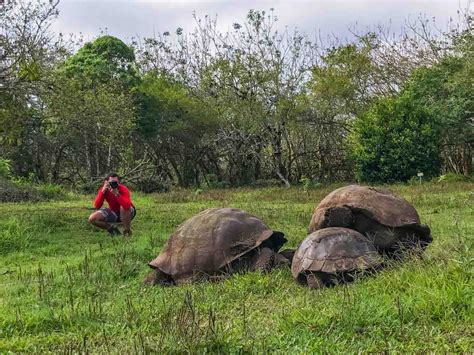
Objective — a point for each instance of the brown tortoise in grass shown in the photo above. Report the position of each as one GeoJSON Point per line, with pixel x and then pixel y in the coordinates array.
{"type": "Point", "coordinates": [389, 221]}
{"type": "Point", "coordinates": [216, 242]}
{"type": "Point", "coordinates": [333, 255]}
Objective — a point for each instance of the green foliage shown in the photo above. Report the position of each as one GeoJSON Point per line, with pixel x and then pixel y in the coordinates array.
{"type": "Point", "coordinates": [452, 177]}
{"type": "Point", "coordinates": [90, 124]}
{"type": "Point", "coordinates": [17, 190]}
{"type": "Point", "coordinates": [306, 182]}
{"type": "Point", "coordinates": [105, 59]}
{"type": "Point", "coordinates": [212, 181]}
{"type": "Point", "coordinates": [446, 91]}
{"type": "Point", "coordinates": [395, 140]}
{"type": "Point", "coordinates": [340, 85]}
{"type": "Point", "coordinates": [13, 192]}
{"type": "Point", "coordinates": [5, 168]}
{"type": "Point", "coordinates": [68, 288]}
{"type": "Point", "coordinates": [166, 108]}
{"type": "Point", "coordinates": [429, 120]}
{"type": "Point", "coordinates": [50, 191]}
{"type": "Point", "coordinates": [14, 118]}
{"type": "Point", "coordinates": [174, 124]}
{"type": "Point", "coordinates": [236, 108]}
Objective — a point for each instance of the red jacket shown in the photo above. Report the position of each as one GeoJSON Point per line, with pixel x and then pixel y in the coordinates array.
{"type": "Point", "coordinates": [122, 200]}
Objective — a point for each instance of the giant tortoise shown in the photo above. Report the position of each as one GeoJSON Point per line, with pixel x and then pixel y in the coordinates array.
{"type": "Point", "coordinates": [333, 255]}
{"type": "Point", "coordinates": [389, 221]}
{"type": "Point", "coordinates": [214, 243]}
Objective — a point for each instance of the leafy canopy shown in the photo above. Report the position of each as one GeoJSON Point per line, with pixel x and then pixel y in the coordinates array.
{"type": "Point", "coordinates": [105, 59]}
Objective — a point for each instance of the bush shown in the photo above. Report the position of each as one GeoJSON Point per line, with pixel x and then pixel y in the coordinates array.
{"type": "Point", "coordinates": [19, 191]}
{"type": "Point", "coordinates": [394, 141]}
{"type": "Point", "coordinates": [212, 182]}
{"type": "Point", "coordinates": [50, 191]}
{"type": "Point", "coordinates": [308, 184]}
{"type": "Point", "coordinates": [452, 177]}
{"type": "Point", "coordinates": [9, 192]}
{"type": "Point", "coordinates": [267, 183]}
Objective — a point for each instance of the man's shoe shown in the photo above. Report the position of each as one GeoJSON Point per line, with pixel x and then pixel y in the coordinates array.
{"type": "Point", "coordinates": [113, 231]}
{"type": "Point", "coordinates": [127, 232]}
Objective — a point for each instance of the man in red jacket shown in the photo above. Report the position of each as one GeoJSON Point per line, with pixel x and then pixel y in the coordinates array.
{"type": "Point", "coordinates": [120, 209]}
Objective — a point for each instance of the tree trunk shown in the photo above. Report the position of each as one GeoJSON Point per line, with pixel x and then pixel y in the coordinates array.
{"type": "Point", "coordinates": [88, 158]}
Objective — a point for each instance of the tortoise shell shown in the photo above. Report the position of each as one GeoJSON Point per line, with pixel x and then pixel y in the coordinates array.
{"type": "Point", "coordinates": [334, 250]}
{"type": "Point", "coordinates": [212, 240]}
{"type": "Point", "coordinates": [377, 203]}
{"type": "Point", "coordinates": [388, 220]}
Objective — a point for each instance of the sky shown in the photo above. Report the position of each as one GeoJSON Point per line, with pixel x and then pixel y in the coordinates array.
{"type": "Point", "coordinates": [138, 18]}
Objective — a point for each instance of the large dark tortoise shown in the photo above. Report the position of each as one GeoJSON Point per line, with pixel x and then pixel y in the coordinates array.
{"type": "Point", "coordinates": [333, 255]}
{"type": "Point", "coordinates": [214, 243]}
{"type": "Point", "coordinates": [389, 221]}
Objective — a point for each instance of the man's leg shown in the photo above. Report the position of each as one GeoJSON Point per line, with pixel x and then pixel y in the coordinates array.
{"type": "Point", "coordinates": [126, 218]}
{"type": "Point", "coordinates": [104, 219]}
{"type": "Point", "coordinates": [98, 219]}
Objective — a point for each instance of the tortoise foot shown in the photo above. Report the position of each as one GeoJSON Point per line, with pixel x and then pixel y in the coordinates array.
{"type": "Point", "coordinates": [314, 281]}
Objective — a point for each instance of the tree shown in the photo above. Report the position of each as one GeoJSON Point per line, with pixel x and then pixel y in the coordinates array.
{"type": "Point", "coordinates": [445, 90]}
{"type": "Point", "coordinates": [28, 52]}
{"type": "Point", "coordinates": [106, 59]}
{"type": "Point", "coordinates": [89, 111]}
{"type": "Point", "coordinates": [87, 130]}
{"type": "Point", "coordinates": [343, 84]}
{"type": "Point", "coordinates": [175, 126]}
{"type": "Point", "coordinates": [249, 76]}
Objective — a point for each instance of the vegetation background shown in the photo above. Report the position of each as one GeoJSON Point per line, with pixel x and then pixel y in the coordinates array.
{"type": "Point", "coordinates": [249, 107]}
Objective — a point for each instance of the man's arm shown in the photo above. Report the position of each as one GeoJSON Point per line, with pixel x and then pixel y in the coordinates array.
{"type": "Point", "coordinates": [99, 199]}
{"type": "Point", "coordinates": [124, 198]}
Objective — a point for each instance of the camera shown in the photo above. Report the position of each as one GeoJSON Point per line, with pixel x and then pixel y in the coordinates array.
{"type": "Point", "coordinates": [114, 184]}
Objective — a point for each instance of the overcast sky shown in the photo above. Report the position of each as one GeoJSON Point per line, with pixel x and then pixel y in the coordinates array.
{"type": "Point", "coordinates": [132, 18]}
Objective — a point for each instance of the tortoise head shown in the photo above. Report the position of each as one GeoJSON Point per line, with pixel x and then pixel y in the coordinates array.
{"type": "Point", "coordinates": [288, 254]}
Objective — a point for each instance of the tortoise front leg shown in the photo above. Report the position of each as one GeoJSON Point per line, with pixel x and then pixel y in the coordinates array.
{"type": "Point", "coordinates": [314, 281]}
{"type": "Point", "coordinates": [157, 277]}
{"type": "Point", "coordinates": [263, 259]}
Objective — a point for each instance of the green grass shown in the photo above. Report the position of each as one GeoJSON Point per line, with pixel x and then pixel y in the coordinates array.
{"type": "Point", "coordinates": [65, 287]}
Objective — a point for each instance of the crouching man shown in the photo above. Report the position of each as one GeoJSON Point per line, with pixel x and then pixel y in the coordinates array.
{"type": "Point", "coordinates": [120, 209]}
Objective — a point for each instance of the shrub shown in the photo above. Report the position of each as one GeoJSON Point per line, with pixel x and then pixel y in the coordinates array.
{"type": "Point", "coordinates": [9, 192]}
{"type": "Point", "coordinates": [394, 140]}
{"type": "Point", "coordinates": [50, 191]}
{"type": "Point", "coordinates": [452, 177]}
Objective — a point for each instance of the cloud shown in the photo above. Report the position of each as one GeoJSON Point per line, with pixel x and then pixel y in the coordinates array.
{"type": "Point", "coordinates": [126, 19]}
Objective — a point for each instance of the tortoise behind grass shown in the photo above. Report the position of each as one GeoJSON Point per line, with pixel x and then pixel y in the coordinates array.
{"type": "Point", "coordinates": [216, 242]}
{"type": "Point", "coordinates": [388, 220]}
{"type": "Point", "coordinates": [333, 255]}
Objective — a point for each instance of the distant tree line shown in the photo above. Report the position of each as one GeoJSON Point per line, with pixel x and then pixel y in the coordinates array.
{"type": "Point", "coordinates": [251, 106]}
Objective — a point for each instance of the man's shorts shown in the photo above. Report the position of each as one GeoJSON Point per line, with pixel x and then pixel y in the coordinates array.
{"type": "Point", "coordinates": [112, 217]}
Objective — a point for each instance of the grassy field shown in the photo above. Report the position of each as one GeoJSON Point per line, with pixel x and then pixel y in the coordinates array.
{"type": "Point", "coordinates": [65, 287]}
